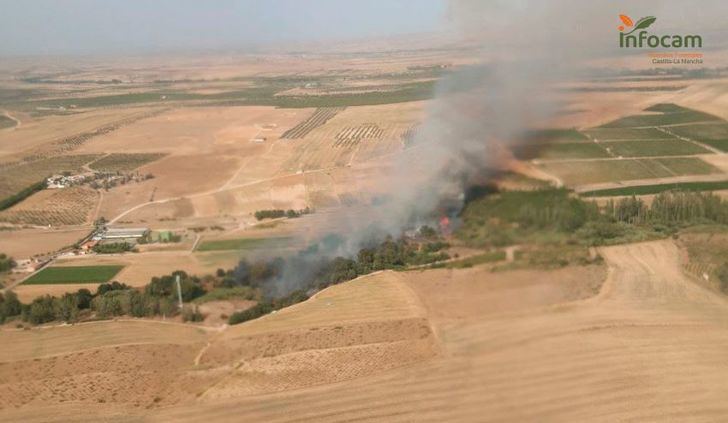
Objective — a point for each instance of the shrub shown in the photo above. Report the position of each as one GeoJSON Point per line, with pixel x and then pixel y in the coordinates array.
{"type": "Point", "coordinates": [41, 310]}
{"type": "Point", "coordinates": [6, 262]}
{"type": "Point", "coordinates": [83, 298]}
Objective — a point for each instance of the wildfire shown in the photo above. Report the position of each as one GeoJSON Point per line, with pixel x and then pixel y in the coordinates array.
{"type": "Point", "coordinates": [445, 225]}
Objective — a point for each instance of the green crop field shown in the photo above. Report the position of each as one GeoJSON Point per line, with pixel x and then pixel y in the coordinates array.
{"type": "Point", "coordinates": [721, 145]}
{"type": "Point", "coordinates": [714, 135]}
{"type": "Point", "coordinates": [667, 147]}
{"type": "Point", "coordinates": [667, 108]}
{"type": "Point", "coordinates": [668, 114]}
{"type": "Point", "coordinates": [598, 171]}
{"type": "Point", "coordinates": [73, 274]}
{"type": "Point", "coordinates": [243, 244]}
{"type": "Point", "coordinates": [687, 166]}
{"type": "Point", "coordinates": [610, 134]}
{"type": "Point", "coordinates": [584, 150]}
{"type": "Point", "coordinates": [699, 132]}
{"type": "Point", "coordinates": [658, 188]}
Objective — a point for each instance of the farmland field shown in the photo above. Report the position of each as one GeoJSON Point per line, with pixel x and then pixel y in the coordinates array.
{"type": "Point", "coordinates": [577, 173]}
{"type": "Point", "coordinates": [714, 135]}
{"type": "Point", "coordinates": [670, 114]}
{"type": "Point", "coordinates": [686, 166]}
{"type": "Point", "coordinates": [67, 339]}
{"type": "Point", "coordinates": [120, 162]}
{"type": "Point", "coordinates": [24, 243]}
{"type": "Point", "coordinates": [584, 150]}
{"type": "Point", "coordinates": [703, 132]}
{"type": "Point", "coordinates": [612, 134]}
{"type": "Point", "coordinates": [243, 244]}
{"type": "Point", "coordinates": [666, 147]}
{"type": "Point", "coordinates": [352, 135]}
{"type": "Point", "coordinates": [719, 144]}
{"type": "Point", "coordinates": [318, 118]}
{"type": "Point", "coordinates": [73, 274]}
{"type": "Point", "coordinates": [67, 206]}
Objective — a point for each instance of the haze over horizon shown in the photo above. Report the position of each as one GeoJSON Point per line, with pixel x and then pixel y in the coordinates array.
{"type": "Point", "coordinates": [45, 27]}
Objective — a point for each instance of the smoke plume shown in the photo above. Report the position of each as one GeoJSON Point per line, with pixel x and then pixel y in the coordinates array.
{"type": "Point", "coordinates": [524, 50]}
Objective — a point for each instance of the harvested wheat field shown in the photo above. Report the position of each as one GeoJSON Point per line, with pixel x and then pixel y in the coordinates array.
{"type": "Point", "coordinates": [130, 362]}
{"type": "Point", "coordinates": [24, 243]}
{"type": "Point", "coordinates": [395, 346]}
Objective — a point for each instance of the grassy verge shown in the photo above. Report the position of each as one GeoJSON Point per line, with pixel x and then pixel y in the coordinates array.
{"type": "Point", "coordinates": [489, 257]}
{"type": "Point", "coordinates": [74, 274]}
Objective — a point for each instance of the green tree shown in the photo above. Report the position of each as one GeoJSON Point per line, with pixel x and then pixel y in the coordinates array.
{"type": "Point", "coordinates": [41, 310]}
{"type": "Point", "coordinates": [6, 262]}
{"type": "Point", "coordinates": [66, 308]}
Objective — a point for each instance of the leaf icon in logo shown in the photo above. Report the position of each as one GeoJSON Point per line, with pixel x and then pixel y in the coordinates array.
{"type": "Point", "coordinates": [643, 23]}
{"type": "Point", "coordinates": [626, 19]}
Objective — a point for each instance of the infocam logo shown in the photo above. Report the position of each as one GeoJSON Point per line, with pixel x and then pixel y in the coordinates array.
{"type": "Point", "coordinates": [634, 35]}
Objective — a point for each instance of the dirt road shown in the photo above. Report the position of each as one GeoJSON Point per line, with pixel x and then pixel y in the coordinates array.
{"type": "Point", "coordinates": [650, 347]}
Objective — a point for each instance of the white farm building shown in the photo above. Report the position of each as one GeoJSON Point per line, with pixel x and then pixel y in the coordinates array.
{"type": "Point", "coordinates": [123, 233]}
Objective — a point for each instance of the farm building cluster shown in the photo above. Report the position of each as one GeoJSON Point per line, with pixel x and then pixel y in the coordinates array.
{"type": "Point", "coordinates": [65, 181]}
{"type": "Point", "coordinates": [95, 180]}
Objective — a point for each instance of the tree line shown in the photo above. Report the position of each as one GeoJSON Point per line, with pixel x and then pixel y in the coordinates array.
{"type": "Point", "coordinates": [158, 298]}
{"type": "Point", "coordinates": [506, 218]}
{"type": "Point", "coordinates": [277, 283]}
{"type": "Point", "coordinates": [278, 213]}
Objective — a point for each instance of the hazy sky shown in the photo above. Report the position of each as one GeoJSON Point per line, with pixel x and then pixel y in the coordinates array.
{"type": "Point", "coordinates": [131, 26]}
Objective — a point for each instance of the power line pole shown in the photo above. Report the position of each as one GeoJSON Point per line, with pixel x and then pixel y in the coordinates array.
{"type": "Point", "coordinates": [179, 292]}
